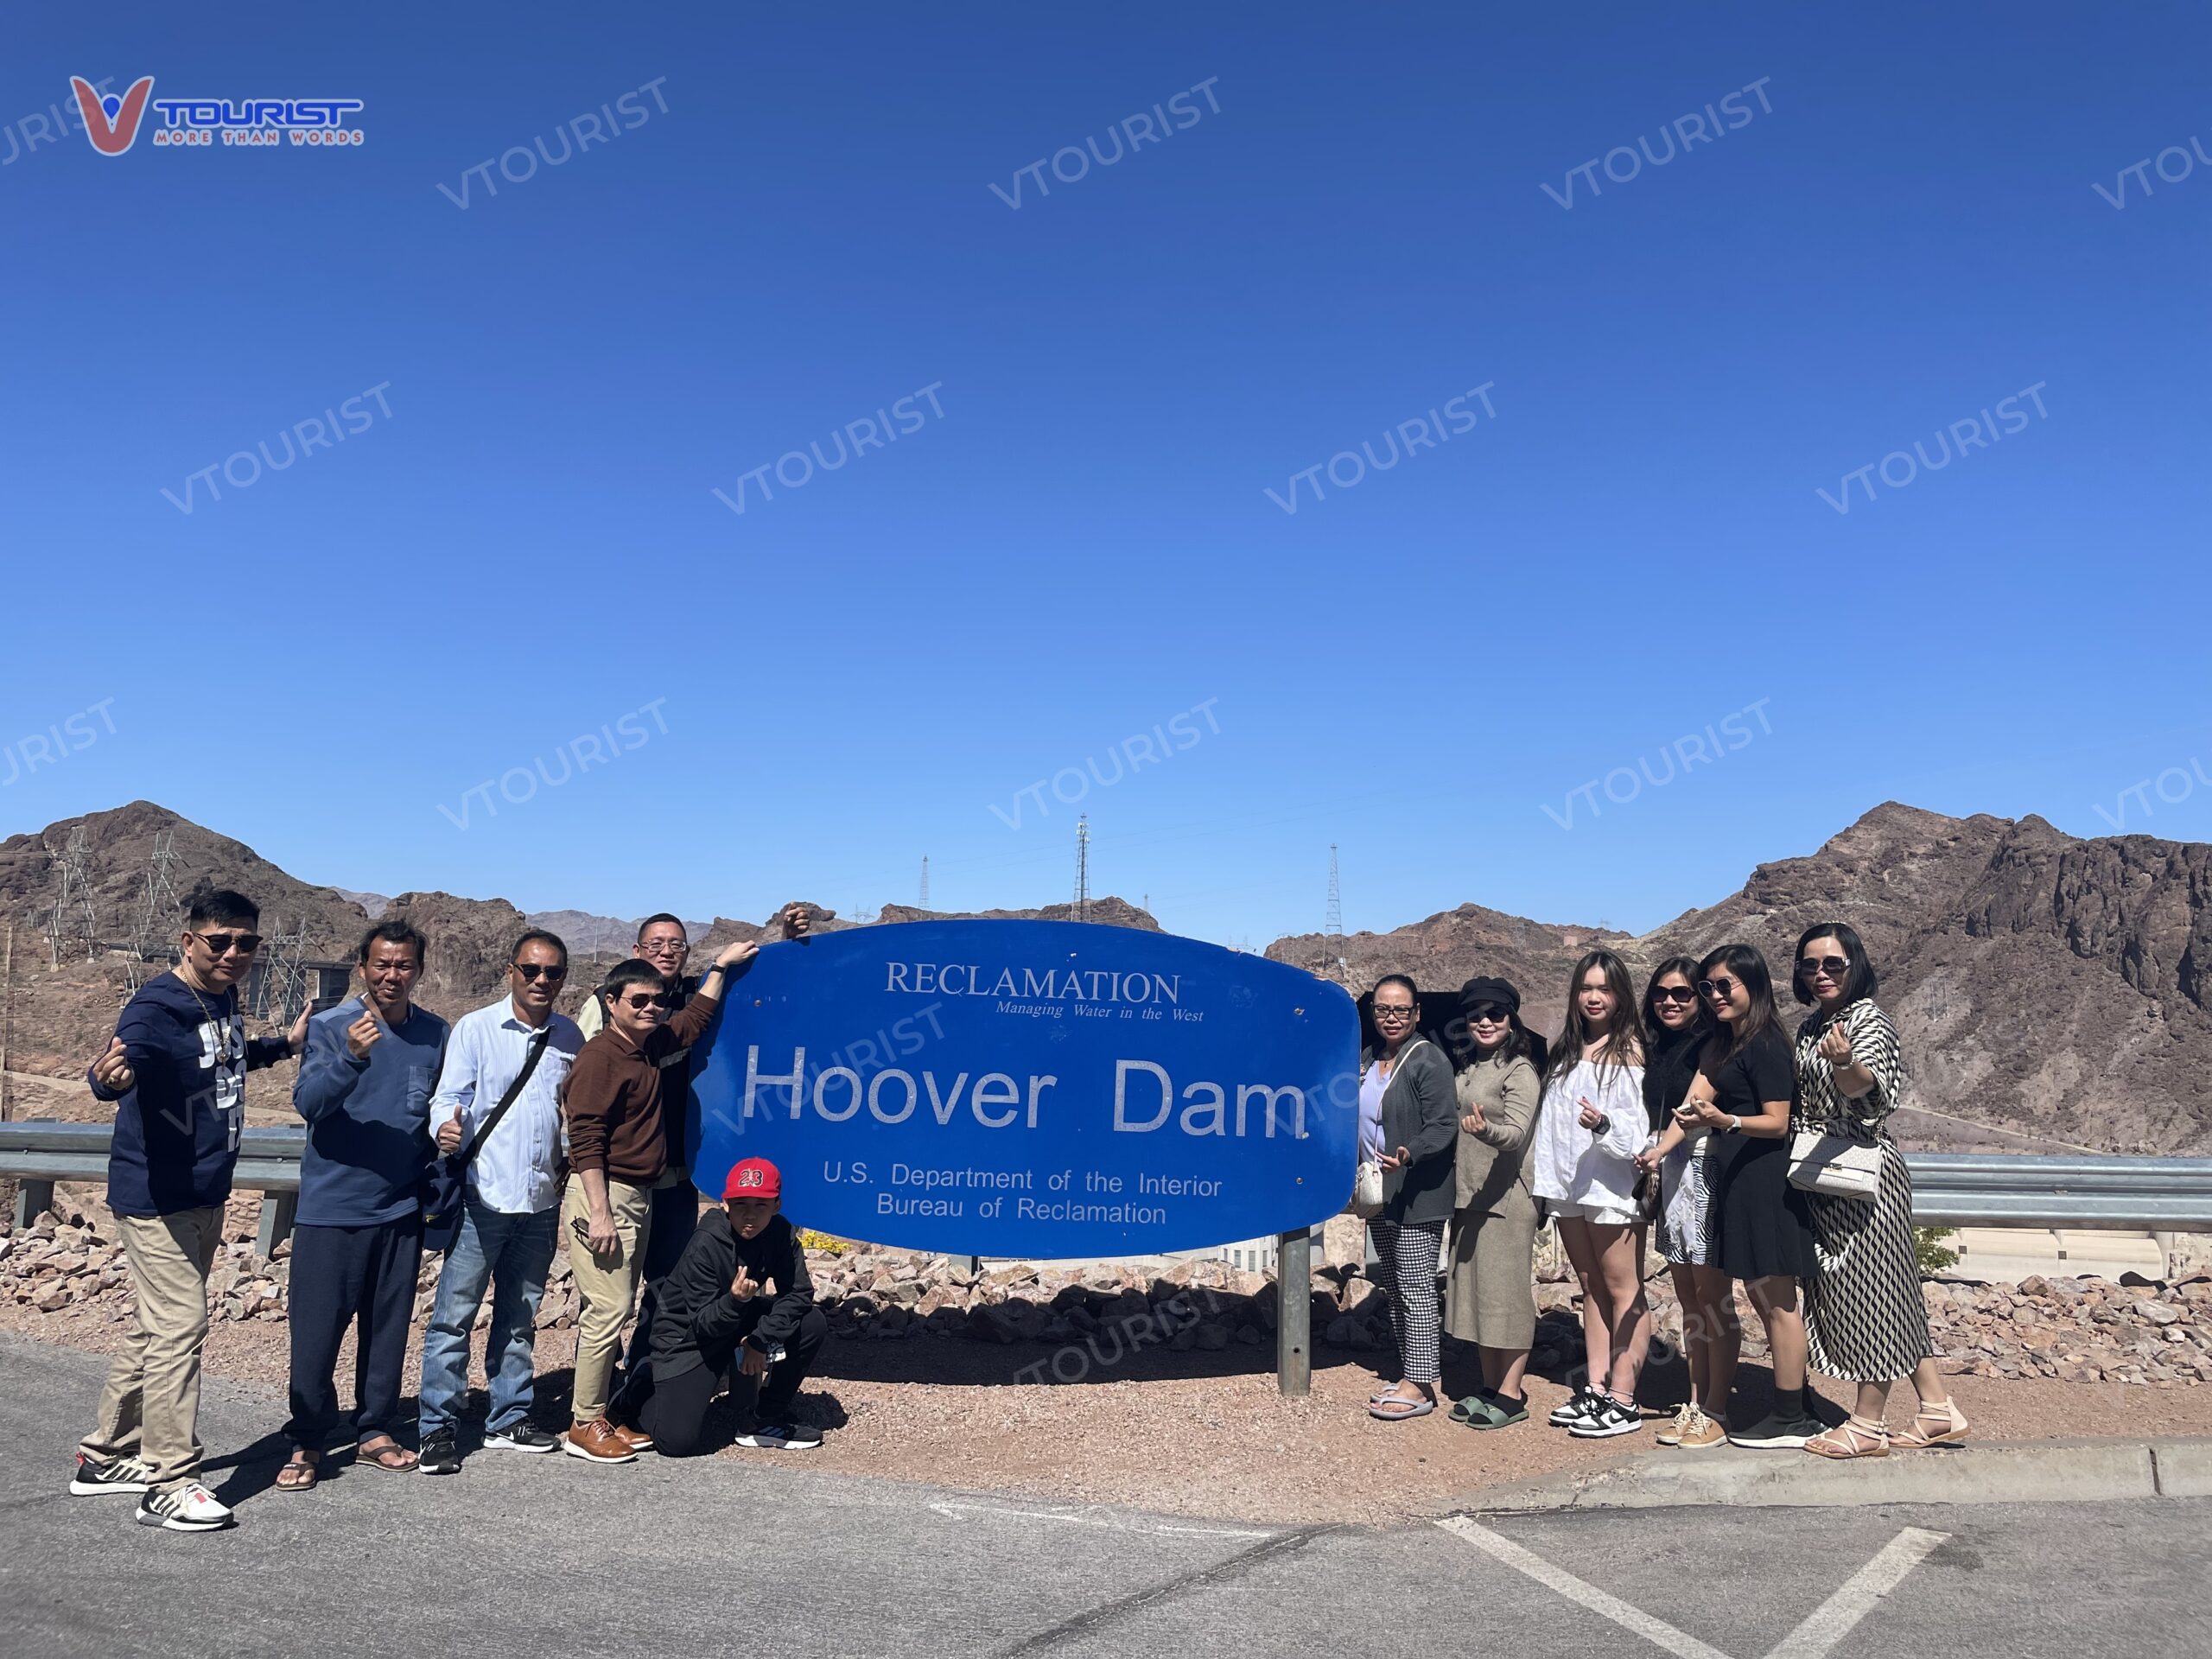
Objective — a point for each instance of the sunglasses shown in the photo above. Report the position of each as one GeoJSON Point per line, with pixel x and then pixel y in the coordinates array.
{"type": "Point", "coordinates": [1833, 967]}
{"type": "Point", "coordinates": [1720, 987]}
{"type": "Point", "coordinates": [220, 945]}
{"type": "Point", "coordinates": [531, 971]}
{"type": "Point", "coordinates": [1488, 1014]}
{"type": "Point", "coordinates": [643, 1000]}
{"type": "Point", "coordinates": [1681, 996]}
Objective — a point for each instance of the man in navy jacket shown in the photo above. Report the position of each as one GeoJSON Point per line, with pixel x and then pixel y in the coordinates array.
{"type": "Point", "coordinates": [176, 1071]}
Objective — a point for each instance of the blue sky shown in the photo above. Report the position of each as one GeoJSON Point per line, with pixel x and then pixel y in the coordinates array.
{"type": "Point", "coordinates": [1078, 534]}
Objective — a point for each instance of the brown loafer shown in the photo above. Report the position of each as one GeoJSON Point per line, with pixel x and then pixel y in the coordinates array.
{"type": "Point", "coordinates": [636, 1438]}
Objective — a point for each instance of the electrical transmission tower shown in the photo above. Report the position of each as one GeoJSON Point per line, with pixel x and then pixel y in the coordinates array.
{"type": "Point", "coordinates": [925, 880]}
{"type": "Point", "coordinates": [1332, 926]}
{"type": "Point", "coordinates": [284, 975]}
{"type": "Point", "coordinates": [158, 914]}
{"type": "Point", "coordinates": [1081, 911]}
{"type": "Point", "coordinates": [73, 908]}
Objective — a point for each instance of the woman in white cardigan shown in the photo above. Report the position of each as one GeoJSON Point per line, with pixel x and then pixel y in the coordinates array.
{"type": "Point", "coordinates": [1589, 1129]}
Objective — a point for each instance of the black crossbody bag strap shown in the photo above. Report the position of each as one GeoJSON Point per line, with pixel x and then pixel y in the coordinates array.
{"type": "Point", "coordinates": [514, 1091]}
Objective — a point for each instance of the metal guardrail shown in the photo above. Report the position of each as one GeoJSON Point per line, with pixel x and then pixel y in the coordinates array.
{"type": "Point", "coordinates": [2156, 1195]}
{"type": "Point", "coordinates": [1950, 1189]}
{"type": "Point", "coordinates": [38, 1153]}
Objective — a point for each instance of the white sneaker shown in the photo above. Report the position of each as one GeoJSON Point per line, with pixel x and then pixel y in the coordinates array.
{"type": "Point", "coordinates": [115, 1475]}
{"type": "Point", "coordinates": [188, 1508]}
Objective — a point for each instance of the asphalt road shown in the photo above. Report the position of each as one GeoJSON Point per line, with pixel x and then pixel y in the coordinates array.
{"type": "Point", "coordinates": [521, 1555]}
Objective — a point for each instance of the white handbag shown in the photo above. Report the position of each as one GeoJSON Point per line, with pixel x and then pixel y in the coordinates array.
{"type": "Point", "coordinates": [1366, 1190]}
{"type": "Point", "coordinates": [1835, 1164]}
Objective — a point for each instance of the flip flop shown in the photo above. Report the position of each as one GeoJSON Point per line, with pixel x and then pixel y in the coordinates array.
{"type": "Point", "coordinates": [1397, 1410]}
{"type": "Point", "coordinates": [304, 1462]}
{"type": "Point", "coordinates": [379, 1456]}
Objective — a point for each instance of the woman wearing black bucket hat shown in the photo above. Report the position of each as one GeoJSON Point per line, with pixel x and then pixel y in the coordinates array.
{"type": "Point", "coordinates": [1492, 1301]}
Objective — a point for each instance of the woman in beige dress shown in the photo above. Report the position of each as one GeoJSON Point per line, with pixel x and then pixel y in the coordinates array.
{"type": "Point", "coordinates": [1491, 1300]}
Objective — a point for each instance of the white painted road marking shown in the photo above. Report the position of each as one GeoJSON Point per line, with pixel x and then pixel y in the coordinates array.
{"type": "Point", "coordinates": [1824, 1627]}
{"type": "Point", "coordinates": [1094, 1517]}
{"type": "Point", "coordinates": [1830, 1621]}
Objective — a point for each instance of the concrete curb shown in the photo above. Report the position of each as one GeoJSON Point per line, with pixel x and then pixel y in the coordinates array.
{"type": "Point", "coordinates": [2026, 1471]}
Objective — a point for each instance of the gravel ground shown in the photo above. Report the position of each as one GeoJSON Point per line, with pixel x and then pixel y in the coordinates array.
{"type": "Point", "coordinates": [1193, 1434]}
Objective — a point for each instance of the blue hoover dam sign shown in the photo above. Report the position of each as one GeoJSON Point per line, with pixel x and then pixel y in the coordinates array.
{"type": "Point", "coordinates": [1037, 1089]}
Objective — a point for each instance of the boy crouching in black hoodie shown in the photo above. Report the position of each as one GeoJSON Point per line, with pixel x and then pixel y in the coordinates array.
{"type": "Point", "coordinates": [716, 1307]}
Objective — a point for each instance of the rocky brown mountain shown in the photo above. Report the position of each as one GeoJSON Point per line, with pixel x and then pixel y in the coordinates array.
{"type": "Point", "coordinates": [2050, 989]}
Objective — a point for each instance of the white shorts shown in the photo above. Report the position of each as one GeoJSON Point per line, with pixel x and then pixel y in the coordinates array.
{"type": "Point", "coordinates": [1604, 1214]}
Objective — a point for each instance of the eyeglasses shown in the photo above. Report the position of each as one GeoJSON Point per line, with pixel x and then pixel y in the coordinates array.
{"type": "Point", "coordinates": [1386, 1011]}
{"type": "Point", "coordinates": [642, 1001]}
{"type": "Point", "coordinates": [1720, 987]}
{"type": "Point", "coordinates": [1833, 967]}
{"type": "Point", "coordinates": [531, 971]}
{"type": "Point", "coordinates": [220, 945]}
{"type": "Point", "coordinates": [663, 947]}
{"type": "Point", "coordinates": [1488, 1014]}
{"type": "Point", "coordinates": [1681, 996]}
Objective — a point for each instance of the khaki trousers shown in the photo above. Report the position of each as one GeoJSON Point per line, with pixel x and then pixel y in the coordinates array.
{"type": "Point", "coordinates": [150, 1408]}
{"type": "Point", "coordinates": [606, 1285]}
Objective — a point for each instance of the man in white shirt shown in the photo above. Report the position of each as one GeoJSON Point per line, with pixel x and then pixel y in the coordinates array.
{"type": "Point", "coordinates": [509, 1221]}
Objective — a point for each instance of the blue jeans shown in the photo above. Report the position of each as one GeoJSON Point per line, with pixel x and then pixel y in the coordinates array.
{"type": "Point", "coordinates": [513, 1253]}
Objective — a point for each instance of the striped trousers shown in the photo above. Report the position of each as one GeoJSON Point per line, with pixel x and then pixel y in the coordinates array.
{"type": "Point", "coordinates": [1407, 1254]}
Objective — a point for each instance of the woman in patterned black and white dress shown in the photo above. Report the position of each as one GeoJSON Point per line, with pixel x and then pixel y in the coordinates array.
{"type": "Point", "coordinates": [1864, 1316]}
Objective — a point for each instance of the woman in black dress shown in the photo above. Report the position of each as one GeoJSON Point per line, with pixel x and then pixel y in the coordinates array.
{"type": "Point", "coordinates": [1746, 1092]}
{"type": "Point", "coordinates": [1675, 1030]}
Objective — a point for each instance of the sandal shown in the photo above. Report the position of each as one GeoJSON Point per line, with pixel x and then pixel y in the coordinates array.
{"type": "Point", "coordinates": [1500, 1412]}
{"type": "Point", "coordinates": [1475, 1410]}
{"type": "Point", "coordinates": [1854, 1437]}
{"type": "Point", "coordinates": [1397, 1408]}
{"type": "Point", "coordinates": [299, 1473]}
{"type": "Point", "coordinates": [1952, 1432]}
{"type": "Point", "coordinates": [384, 1453]}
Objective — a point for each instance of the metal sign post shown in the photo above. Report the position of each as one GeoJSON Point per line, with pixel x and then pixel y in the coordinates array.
{"type": "Point", "coordinates": [1294, 1313]}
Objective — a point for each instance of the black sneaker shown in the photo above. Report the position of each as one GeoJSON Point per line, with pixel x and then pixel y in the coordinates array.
{"type": "Point", "coordinates": [439, 1455]}
{"type": "Point", "coordinates": [117, 1475]}
{"type": "Point", "coordinates": [525, 1436]}
{"type": "Point", "coordinates": [1574, 1409]}
{"type": "Point", "coordinates": [1777, 1433]}
{"type": "Point", "coordinates": [1604, 1420]}
{"type": "Point", "coordinates": [782, 1437]}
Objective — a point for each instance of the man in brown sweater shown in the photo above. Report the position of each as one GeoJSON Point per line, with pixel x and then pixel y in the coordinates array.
{"type": "Point", "coordinates": [617, 1149]}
